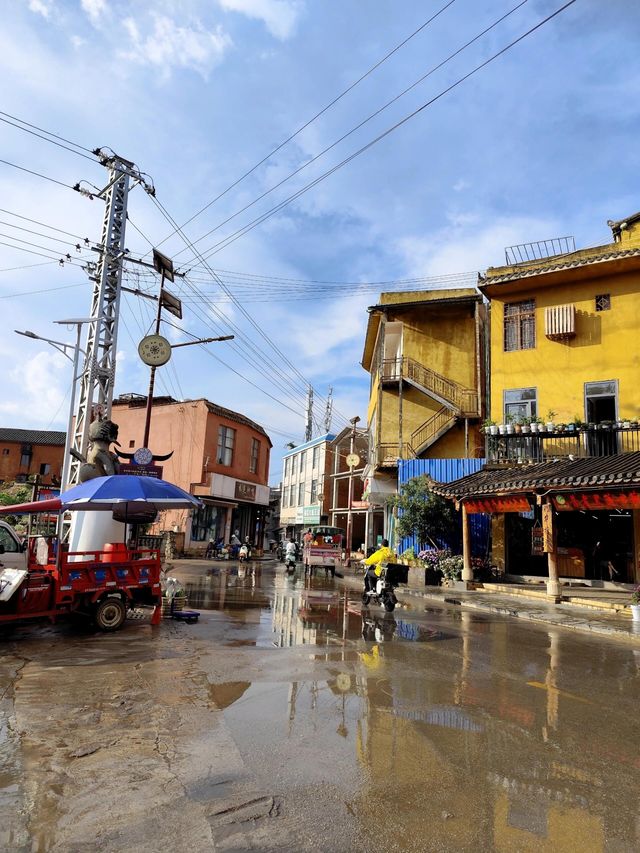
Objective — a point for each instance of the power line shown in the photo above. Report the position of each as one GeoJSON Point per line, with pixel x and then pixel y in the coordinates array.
{"type": "Point", "coordinates": [45, 138]}
{"type": "Point", "coordinates": [85, 240]}
{"type": "Point", "coordinates": [316, 116]}
{"type": "Point", "coordinates": [42, 224]}
{"type": "Point", "coordinates": [65, 259]}
{"type": "Point", "coordinates": [43, 290]}
{"type": "Point", "coordinates": [231, 238]}
{"type": "Point", "coordinates": [37, 174]}
{"type": "Point", "coordinates": [28, 266]}
{"type": "Point", "coordinates": [242, 309]}
{"type": "Point", "coordinates": [50, 133]}
{"type": "Point", "coordinates": [358, 126]}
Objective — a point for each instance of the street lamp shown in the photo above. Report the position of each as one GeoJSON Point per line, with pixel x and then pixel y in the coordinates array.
{"type": "Point", "coordinates": [65, 349]}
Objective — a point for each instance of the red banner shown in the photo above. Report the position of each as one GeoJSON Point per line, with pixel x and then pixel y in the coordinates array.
{"type": "Point", "coordinates": [597, 500]}
{"type": "Point", "coordinates": [511, 503]}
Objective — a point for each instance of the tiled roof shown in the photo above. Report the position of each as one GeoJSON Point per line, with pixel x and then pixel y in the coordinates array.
{"type": "Point", "coordinates": [564, 262]}
{"type": "Point", "coordinates": [32, 436]}
{"type": "Point", "coordinates": [616, 471]}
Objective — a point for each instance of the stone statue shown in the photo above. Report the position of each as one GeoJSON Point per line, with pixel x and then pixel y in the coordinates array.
{"type": "Point", "coordinates": [100, 461]}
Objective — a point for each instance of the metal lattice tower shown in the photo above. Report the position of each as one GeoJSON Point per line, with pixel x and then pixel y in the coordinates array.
{"type": "Point", "coordinates": [308, 432]}
{"type": "Point", "coordinates": [96, 385]}
{"type": "Point", "coordinates": [328, 414]}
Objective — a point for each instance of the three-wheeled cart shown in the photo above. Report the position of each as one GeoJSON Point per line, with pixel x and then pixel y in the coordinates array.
{"type": "Point", "coordinates": [101, 585]}
{"type": "Point", "coordinates": [322, 548]}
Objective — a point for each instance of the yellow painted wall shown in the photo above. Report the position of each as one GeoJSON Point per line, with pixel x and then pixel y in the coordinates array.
{"type": "Point", "coordinates": [441, 338]}
{"type": "Point", "coordinates": [605, 347]}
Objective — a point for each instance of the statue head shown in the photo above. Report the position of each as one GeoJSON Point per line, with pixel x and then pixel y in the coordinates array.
{"type": "Point", "coordinates": [103, 430]}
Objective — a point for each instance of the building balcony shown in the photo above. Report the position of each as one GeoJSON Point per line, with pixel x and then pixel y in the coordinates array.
{"type": "Point", "coordinates": [387, 455]}
{"type": "Point", "coordinates": [591, 441]}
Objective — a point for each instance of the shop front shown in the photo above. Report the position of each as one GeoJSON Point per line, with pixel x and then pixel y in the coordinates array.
{"type": "Point", "coordinates": [569, 519]}
{"type": "Point", "coordinates": [231, 506]}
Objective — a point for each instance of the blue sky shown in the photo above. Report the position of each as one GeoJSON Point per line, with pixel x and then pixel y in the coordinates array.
{"type": "Point", "coordinates": [541, 143]}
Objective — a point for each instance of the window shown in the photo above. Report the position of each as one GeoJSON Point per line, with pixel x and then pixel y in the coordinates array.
{"type": "Point", "coordinates": [302, 461]}
{"type": "Point", "coordinates": [520, 325]}
{"type": "Point", "coordinates": [207, 523]}
{"type": "Point", "coordinates": [286, 468]}
{"type": "Point", "coordinates": [300, 494]}
{"type": "Point", "coordinates": [5, 451]}
{"type": "Point", "coordinates": [132, 443]}
{"type": "Point", "coordinates": [26, 452]}
{"type": "Point", "coordinates": [314, 457]}
{"type": "Point", "coordinates": [6, 539]}
{"type": "Point", "coordinates": [284, 497]}
{"type": "Point", "coordinates": [226, 438]}
{"type": "Point", "coordinates": [255, 453]}
{"type": "Point", "coordinates": [294, 464]}
{"type": "Point", "coordinates": [314, 491]}
{"type": "Point", "coordinates": [292, 495]}
{"type": "Point", "coordinates": [601, 401]}
{"type": "Point", "coordinates": [520, 403]}
{"type": "Point", "coordinates": [45, 468]}
{"type": "Point", "coordinates": [603, 302]}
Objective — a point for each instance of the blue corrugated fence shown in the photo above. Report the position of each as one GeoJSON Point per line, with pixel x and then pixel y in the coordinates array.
{"type": "Point", "coordinates": [445, 471]}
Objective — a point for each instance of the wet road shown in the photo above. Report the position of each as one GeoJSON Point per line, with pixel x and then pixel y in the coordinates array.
{"type": "Point", "coordinates": [287, 719]}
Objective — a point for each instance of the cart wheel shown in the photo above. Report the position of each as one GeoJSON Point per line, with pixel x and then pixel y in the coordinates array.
{"type": "Point", "coordinates": [110, 614]}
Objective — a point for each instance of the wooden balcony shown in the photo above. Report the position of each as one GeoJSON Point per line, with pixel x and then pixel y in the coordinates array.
{"type": "Point", "coordinates": [546, 446]}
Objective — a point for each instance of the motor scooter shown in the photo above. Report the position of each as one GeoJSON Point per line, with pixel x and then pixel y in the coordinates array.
{"type": "Point", "coordinates": [244, 553]}
{"type": "Point", "coordinates": [290, 563]}
{"type": "Point", "coordinates": [391, 576]}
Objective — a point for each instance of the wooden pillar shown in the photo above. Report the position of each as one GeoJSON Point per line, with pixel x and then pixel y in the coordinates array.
{"type": "Point", "coordinates": [467, 571]}
{"type": "Point", "coordinates": [549, 535]}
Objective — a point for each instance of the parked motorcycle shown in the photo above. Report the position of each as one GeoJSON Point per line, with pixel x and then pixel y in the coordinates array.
{"type": "Point", "coordinates": [290, 563]}
{"type": "Point", "coordinates": [244, 553]}
{"type": "Point", "coordinates": [391, 576]}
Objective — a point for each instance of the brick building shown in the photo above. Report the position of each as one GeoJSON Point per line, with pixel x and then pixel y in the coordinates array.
{"type": "Point", "coordinates": [217, 454]}
{"type": "Point", "coordinates": [24, 452]}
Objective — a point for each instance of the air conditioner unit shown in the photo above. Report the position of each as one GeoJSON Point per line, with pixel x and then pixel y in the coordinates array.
{"type": "Point", "coordinates": [560, 322]}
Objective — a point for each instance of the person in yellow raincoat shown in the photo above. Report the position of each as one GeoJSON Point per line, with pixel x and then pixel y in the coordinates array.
{"type": "Point", "coordinates": [384, 554]}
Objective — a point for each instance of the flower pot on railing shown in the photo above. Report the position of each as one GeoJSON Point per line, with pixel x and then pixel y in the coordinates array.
{"type": "Point", "coordinates": [509, 429]}
{"type": "Point", "coordinates": [626, 424]}
{"type": "Point", "coordinates": [502, 428]}
{"type": "Point", "coordinates": [493, 429]}
{"type": "Point", "coordinates": [526, 429]}
{"type": "Point", "coordinates": [534, 426]}
{"type": "Point", "coordinates": [550, 426]}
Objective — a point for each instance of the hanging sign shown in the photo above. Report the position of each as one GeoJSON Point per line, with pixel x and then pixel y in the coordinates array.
{"type": "Point", "coordinates": [511, 503]}
{"type": "Point", "coordinates": [537, 541]}
{"type": "Point", "coordinates": [598, 500]}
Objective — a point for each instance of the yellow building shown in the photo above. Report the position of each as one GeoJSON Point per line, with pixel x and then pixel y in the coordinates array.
{"type": "Point", "coordinates": [565, 385]}
{"type": "Point", "coordinates": [564, 333]}
{"type": "Point", "coordinates": [424, 351]}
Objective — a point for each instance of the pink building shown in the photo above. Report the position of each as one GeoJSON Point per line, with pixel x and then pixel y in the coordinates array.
{"type": "Point", "coordinates": [217, 454]}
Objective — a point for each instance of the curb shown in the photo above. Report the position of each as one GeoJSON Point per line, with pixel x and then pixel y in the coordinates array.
{"type": "Point", "coordinates": [558, 619]}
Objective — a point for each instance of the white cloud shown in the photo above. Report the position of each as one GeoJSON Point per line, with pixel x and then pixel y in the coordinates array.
{"type": "Point", "coordinates": [172, 46]}
{"type": "Point", "coordinates": [77, 41]}
{"type": "Point", "coordinates": [44, 383]}
{"type": "Point", "coordinates": [94, 9]}
{"type": "Point", "coordinates": [41, 7]}
{"type": "Point", "coordinates": [469, 244]}
{"type": "Point", "coordinates": [279, 16]}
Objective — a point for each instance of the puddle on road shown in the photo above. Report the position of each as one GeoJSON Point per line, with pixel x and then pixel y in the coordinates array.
{"type": "Point", "coordinates": [298, 611]}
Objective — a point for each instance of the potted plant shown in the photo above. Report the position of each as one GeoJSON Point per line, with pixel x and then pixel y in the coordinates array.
{"type": "Point", "coordinates": [509, 424]}
{"type": "Point", "coordinates": [535, 424]}
{"type": "Point", "coordinates": [408, 556]}
{"type": "Point", "coordinates": [635, 604]}
{"type": "Point", "coordinates": [431, 562]}
{"type": "Point", "coordinates": [490, 427]}
{"type": "Point", "coordinates": [451, 568]}
{"type": "Point", "coordinates": [549, 422]}
{"type": "Point", "coordinates": [626, 423]}
{"type": "Point", "coordinates": [560, 427]}
{"type": "Point", "coordinates": [526, 426]}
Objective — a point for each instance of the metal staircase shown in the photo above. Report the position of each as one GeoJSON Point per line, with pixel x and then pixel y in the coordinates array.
{"type": "Point", "coordinates": [455, 397]}
{"type": "Point", "coordinates": [431, 430]}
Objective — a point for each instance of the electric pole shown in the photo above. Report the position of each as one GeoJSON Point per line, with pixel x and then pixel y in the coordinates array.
{"type": "Point", "coordinates": [328, 412]}
{"type": "Point", "coordinates": [308, 433]}
{"type": "Point", "coordinates": [97, 380]}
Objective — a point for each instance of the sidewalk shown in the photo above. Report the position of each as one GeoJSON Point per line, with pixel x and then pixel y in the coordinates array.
{"type": "Point", "coordinates": [588, 610]}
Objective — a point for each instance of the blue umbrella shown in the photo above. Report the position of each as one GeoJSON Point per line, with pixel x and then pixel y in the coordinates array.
{"type": "Point", "coordinates": [127, 494]}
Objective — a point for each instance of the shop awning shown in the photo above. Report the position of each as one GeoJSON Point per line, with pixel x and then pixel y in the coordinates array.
{"type": "Point", "coordinates": [605, 475]}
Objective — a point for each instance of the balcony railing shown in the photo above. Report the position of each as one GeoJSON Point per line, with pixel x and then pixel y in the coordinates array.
{"type": "Point", "coordinates": [387, 455]}
{"type": "Point", "coordinates": [547, 446]}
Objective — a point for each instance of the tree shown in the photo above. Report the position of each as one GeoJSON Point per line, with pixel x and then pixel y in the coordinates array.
{"type": "Point", "coordinates": [431, 518]}
{"type": "Point", "coordinates": [15, 494]}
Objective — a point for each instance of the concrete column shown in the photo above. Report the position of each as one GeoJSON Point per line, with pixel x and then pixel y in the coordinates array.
{"type": "Point", "coordinates": [549, 532]}
{"type": "Point", "coordinates": [467, 571]}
